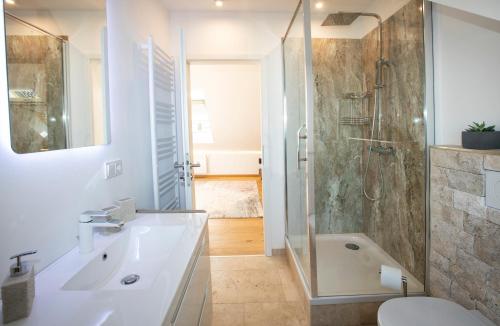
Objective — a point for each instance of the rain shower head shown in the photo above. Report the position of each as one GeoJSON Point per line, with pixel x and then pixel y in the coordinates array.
{"type": "Point", "coordinates": [341, 19]}
{"type": "Point", "coordinates": [346, 18]}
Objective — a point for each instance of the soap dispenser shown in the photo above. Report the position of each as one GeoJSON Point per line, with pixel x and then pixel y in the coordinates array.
{"type": "Point", "coordinates": [18, 289]}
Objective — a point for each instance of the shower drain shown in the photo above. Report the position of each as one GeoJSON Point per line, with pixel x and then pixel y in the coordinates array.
{"type": "Point", "coordinates": [352, 246]}
{"type": "Point", "coordinates": [130, 279]}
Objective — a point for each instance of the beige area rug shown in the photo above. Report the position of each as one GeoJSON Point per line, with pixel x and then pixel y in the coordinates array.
{"type": "Point", "coordinates": [228, 198]}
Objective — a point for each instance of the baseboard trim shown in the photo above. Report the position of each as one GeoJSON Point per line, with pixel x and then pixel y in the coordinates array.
{"type": "Point", "coordinates": [278, 252]}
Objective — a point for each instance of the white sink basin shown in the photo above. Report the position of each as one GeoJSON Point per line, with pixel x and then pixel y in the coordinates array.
{"type": "Point", "coordinates": [85, 290]}
{"type": "Point", "coordinates": [141, 250]}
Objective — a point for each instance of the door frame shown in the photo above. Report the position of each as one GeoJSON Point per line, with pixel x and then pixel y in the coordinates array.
{"type": "Point", "coordinates": [264, 121]}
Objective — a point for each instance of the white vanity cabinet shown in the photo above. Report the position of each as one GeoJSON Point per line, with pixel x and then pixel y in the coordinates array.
{"type": "Point", "coordinates": [193, 304]}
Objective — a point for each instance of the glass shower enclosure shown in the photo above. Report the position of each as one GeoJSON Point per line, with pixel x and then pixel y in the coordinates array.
{"type": "Point", "coordinates": [358, 122]}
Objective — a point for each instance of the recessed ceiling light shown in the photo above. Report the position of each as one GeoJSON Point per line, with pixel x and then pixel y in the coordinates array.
{"type": "Point", "coordinates": [10, 2]}
{"type": "Point", "coordinates": [219, 3]}
{"type": "Point", "coordinates": [319, 5]}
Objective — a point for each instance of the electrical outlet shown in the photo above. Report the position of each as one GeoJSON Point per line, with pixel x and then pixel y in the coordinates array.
{"type": "Point", "coordinates": [113, 169]}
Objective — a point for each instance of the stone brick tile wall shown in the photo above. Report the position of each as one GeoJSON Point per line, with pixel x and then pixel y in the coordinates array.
{"type": "Point", "coordinates": [465, 234]}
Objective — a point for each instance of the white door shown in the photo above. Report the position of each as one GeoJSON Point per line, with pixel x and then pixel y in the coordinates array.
{"type": "Point", "coordinates": [186, 164]}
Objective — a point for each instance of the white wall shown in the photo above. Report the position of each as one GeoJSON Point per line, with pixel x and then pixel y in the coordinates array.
{"type": "Point", "coordinates": [42, 194]}
{"type": "Point", "coordinates": [229, 35]}
{"type": "Point", "coordinates": [83, 27]}
{"type": "Point", "coordinates": [227, 162]}
{"type": "Point", "coordinates": [233, 101]}
{"type": "Point", "coordinates": [486, 8]}
{"type": "Point", "coordinates": [273, 151]}
{"type": "Point", "coordinates": [253, 36]}
{"type": "Point", "coordinates": [231, 91]}
{"type": "Point", "coordinates": [467, 72]}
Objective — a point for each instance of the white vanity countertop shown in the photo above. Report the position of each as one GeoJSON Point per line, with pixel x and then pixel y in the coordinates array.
{"type": "Point", "coordinates": [54, 306]}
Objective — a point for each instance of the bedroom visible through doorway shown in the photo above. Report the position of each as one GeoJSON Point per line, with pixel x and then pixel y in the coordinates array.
{"type": "Point", "coordinates": [225, 102]}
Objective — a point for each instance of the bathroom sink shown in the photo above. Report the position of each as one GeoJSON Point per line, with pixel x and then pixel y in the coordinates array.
{"type": "Point", "coordinates": [132, 277]}
{"type": "Point", "coordinates": [131, 262]}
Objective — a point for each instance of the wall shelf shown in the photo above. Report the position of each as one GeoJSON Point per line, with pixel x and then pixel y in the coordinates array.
{"type": "Point", "coordinates": [379, 141]}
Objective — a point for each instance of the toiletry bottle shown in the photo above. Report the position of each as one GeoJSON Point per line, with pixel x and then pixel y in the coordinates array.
{"type": "Point", "coordinates": [18, 289]}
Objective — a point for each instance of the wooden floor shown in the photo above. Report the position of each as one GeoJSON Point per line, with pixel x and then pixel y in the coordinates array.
{"type": "Point", "coordinates": [236, 236]}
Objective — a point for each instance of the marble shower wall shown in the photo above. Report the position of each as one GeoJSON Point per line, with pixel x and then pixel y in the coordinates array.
{"type": "Point", "coordinates": [36, 87]}
{"type": "Point", "coordinates": [337, 67]}
{"type": "Point", "coordinates": [397, 221]}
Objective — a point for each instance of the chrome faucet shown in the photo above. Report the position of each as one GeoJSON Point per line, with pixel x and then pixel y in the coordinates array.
{"type": "Point", "coordinates": [90, 220]}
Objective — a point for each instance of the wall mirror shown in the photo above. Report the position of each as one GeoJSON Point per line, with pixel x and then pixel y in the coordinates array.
{"type": "Point", "coordinates": [57, 74]}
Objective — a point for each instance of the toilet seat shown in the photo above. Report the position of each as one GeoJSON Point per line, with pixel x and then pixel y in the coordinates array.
{"type": "Point", "coordinates": [424, 311]}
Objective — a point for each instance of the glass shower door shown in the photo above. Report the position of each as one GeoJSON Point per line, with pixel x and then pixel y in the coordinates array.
{"type": "Point", "coordinates": [369, 146]}
{"type": "Point", "coordinates": [296, 139]}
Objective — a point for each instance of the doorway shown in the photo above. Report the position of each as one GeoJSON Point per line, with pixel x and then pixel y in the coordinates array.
{"type": "Point", "coordinates": [225, 122]}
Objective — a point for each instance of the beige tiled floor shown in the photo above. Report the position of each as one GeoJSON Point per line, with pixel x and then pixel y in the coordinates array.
{"type": "Point", "coordinates": [254, 290]}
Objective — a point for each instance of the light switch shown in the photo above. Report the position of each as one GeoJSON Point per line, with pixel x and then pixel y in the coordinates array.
{"type": "Point", "coordinates": [493, 189]}
{"type": "Point", "coordinates": [113, 169]}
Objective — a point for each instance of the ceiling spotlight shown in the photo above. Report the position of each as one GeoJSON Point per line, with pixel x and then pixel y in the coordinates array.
{"type": "Point", "coordinates": [219, 3]}
{"type": "Point", "coordinates": [319, 5]}
{"type": "Point", "coordinates": [10, 2]}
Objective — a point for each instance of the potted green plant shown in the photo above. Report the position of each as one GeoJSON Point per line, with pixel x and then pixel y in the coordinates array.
{"type": "Point", "coordinates": [481, 136]}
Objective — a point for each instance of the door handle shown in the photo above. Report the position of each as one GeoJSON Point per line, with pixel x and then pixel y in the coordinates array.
{"type": "Point", "coordinates": [300, 137]}
{"type": "Point", "coordinates": [178, 165]}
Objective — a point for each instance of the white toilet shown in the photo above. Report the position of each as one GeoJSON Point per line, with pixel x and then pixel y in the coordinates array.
{"type": "Point", "coordinates": [426, 311]}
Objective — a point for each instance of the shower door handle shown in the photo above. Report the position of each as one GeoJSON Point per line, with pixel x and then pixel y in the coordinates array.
{"type": "Point", "coordinates": [300, 137]}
